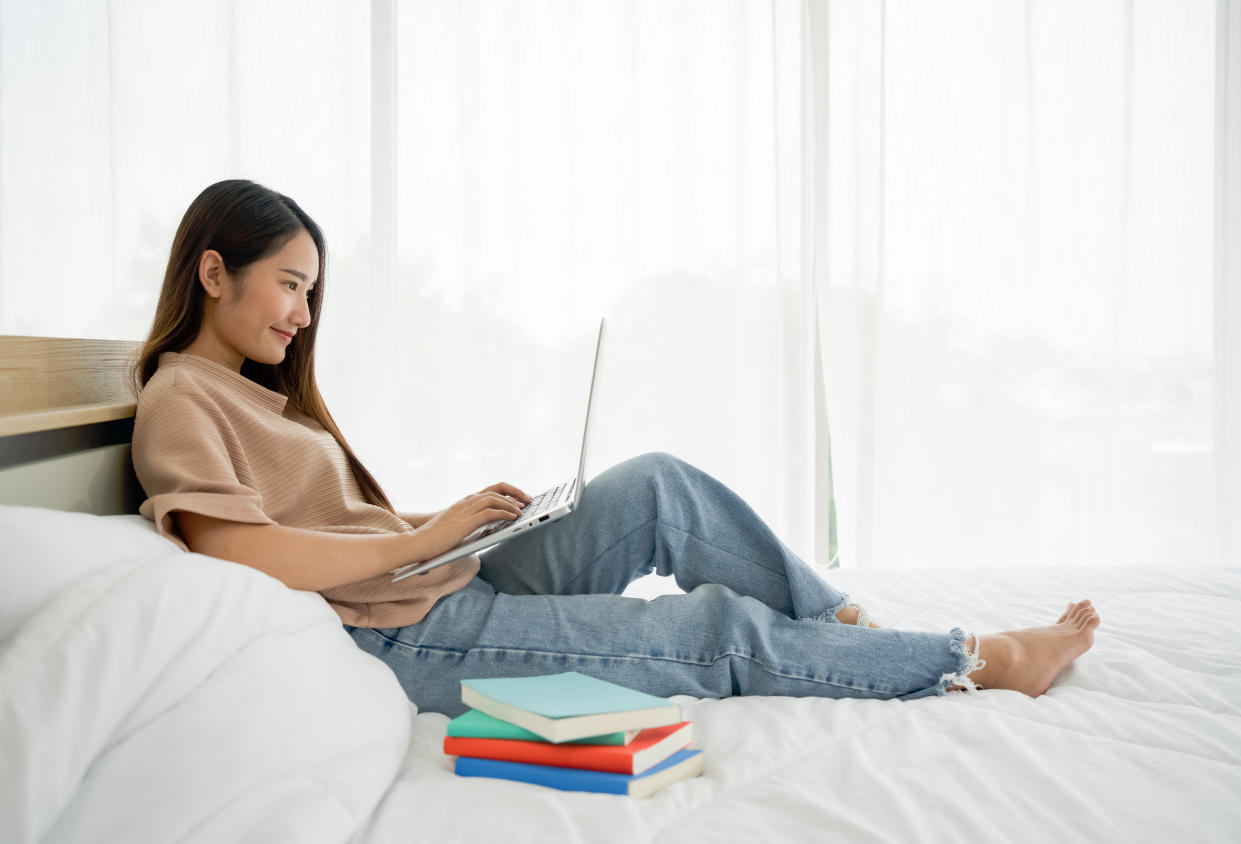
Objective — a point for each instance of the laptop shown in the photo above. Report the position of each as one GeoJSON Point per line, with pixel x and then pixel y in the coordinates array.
{"type": "Point", "coordinates": [543, 509]}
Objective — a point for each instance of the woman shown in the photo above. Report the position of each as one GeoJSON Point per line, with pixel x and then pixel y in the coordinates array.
{"type": "Point", "coordinates": [242, 461]}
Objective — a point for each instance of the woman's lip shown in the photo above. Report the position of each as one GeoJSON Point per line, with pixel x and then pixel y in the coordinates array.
{"type": "Point", "coordinates": [287, 337]}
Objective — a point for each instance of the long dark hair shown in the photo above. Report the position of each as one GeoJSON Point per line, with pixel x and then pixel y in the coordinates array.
{"type": "Point", "coordinates": [245, 222]}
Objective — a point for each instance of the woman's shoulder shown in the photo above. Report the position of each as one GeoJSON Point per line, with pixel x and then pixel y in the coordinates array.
{"type": "Point", "coordinates": [197, 378]}
{"type": "Point", "coordinates": [177, 395]}
{"type": "Point", "coordinates": [165, 374]}
{"type": "Point", "coordinates": [170, 379]}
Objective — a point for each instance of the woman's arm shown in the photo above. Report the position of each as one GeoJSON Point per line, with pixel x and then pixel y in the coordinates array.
{"type": "Point", "coordinates": [316, 560]}
{"type": "Point", "coordinates": [417, 519]}
{"type": "Point", "coordinates": [299, 558]}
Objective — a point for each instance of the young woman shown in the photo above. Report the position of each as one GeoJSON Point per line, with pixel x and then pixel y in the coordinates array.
{"type": "Point", "coordinates": [242, 461]}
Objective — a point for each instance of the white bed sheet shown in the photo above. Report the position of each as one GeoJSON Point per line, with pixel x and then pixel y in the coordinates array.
{"type": "Point", "coordinates": [151, 695]}
{"type": "Point", "coordinates": [1139, 740]}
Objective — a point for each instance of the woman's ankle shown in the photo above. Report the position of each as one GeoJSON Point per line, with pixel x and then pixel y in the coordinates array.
{"type": "Point", "coordinates": [994, 652]}
{"type": "Point", "coordinates": [855, 614]}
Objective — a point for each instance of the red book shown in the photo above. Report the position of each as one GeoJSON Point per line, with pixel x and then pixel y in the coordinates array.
{"type": "Point", "coordinates": [652, 746]}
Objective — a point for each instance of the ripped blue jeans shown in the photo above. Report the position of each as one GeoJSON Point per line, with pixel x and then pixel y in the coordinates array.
{"type": "Point", "coordinates": [754, 619]}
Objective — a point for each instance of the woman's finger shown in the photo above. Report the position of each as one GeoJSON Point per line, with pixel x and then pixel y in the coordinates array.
{"type": "Point", "coordinates": [492, 500]}
{"type": "Point", "coordinates": [508, 489]}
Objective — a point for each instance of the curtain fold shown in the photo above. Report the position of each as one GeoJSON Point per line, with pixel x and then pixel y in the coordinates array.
{"type": "Point", "coordinates": [1227, 303]}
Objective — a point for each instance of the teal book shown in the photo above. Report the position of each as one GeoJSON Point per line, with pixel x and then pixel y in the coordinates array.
{"type": "Point", "coordinates": [679, 766]}
{"type": "Point", "coordinates": [475, 724]}
{"type": "Point", "coordinates": [568, 706]}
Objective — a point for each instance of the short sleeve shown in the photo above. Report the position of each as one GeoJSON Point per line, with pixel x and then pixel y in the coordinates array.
{"type": "Point", "coordinates": [183, 454]}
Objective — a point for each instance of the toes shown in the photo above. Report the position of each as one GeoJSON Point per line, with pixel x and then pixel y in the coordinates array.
{"type": "Point", "coordinates": [1067, 610]}
{"type": "Point", "coordinates": [1080, 612]}
{"type": "Point", "coordinates": [1085, 616]}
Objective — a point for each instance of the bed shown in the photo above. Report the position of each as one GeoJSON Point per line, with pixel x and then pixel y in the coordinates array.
{"type": "Point", "coordinates": [147, 694]}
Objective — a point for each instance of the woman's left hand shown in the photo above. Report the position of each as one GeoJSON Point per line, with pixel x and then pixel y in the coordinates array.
{"type": "Point", "coordinates": [417, 520]}
{"type": "Point", "coordinates": [511, 491]}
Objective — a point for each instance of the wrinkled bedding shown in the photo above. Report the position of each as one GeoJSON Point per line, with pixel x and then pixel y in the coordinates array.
{"type": "Point", "coordinates": [1139, 740]}
{"type": "Point", "coordinates": [151, 695]}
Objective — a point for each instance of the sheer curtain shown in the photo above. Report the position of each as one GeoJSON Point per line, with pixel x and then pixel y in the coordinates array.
{"type": "Point", "coordinates": [556, 162]}
{"type": "Point", "coordinates": [1021, 216]}
{"type": "Point", "coordinates": [492, 178]}
{"type": "Point", "coordinates": [983, 239]}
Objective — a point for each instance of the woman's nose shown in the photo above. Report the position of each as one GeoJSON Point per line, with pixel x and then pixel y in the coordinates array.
{"type": "Point", "coordinates": [302, 316]}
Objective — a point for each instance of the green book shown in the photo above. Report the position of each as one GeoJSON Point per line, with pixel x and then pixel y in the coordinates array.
{"type": "Point", "coordinates": [475, 724]}
{"type": "Point", "coordinates": [568, 706]}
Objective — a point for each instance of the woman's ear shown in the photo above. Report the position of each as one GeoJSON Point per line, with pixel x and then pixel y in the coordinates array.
{"type": "Point", "coordinates": [210, 273]}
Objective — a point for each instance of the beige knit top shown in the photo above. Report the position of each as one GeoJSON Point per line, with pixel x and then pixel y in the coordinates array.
{"type": "Point", "coordinates": [209, 440]}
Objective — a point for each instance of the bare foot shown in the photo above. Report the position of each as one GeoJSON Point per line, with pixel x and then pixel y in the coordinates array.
{"type": "Point", "coordinates": [1029, 660]}
{"type": "Point", "coordinates": [848, 615]}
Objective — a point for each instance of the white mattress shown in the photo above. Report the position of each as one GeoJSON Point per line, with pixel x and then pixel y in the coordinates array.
{"type": "Point", "coordinates": [1139, 740]}
{"type": "Point", "coordinates": [151, 695]}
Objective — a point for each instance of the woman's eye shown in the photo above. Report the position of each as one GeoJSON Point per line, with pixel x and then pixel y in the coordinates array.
{"type": "Point", "coordinates": [293, 283]}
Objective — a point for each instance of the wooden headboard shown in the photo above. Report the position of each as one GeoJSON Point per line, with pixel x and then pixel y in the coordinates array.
{"type": "Point", "coordinates": [66, 420]}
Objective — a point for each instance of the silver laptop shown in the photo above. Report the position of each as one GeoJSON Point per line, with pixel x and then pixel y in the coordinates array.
{"type": "Point", "coordinates": [543, 509]}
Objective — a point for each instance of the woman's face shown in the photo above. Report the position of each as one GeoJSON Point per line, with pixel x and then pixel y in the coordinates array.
{"type": "Point", "coordinates": [263, 321]}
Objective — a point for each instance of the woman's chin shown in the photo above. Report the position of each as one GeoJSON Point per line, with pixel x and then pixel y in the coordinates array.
{"type": "Point", "coordinates": [270, 358]}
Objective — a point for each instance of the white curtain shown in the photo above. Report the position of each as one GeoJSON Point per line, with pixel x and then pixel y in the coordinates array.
{"type": "Point", "coordinates": [1023, 318]}
{"type": "Point", "coordinates": [997, 223]}
{"type": "Point", "coordinates": [492, 178]}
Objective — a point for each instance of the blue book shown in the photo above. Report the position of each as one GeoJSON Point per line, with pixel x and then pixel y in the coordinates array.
{"type": "Point", "coordinates": [567, 706]}
{"type": "Point", "coordinates": [679, 766]}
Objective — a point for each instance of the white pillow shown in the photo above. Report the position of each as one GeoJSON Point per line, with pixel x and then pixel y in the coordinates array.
{"type": "Point", "coordinates": [149, 694]}
{"type": "Point", "coordinates": [43, 550]}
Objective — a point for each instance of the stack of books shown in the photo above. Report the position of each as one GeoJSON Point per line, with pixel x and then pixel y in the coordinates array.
{"type": "Point", "coordinates": [572, 732]}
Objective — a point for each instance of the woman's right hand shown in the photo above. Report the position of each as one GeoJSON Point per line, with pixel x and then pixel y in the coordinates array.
{"type": "Point", "coordinates": [445, 530]}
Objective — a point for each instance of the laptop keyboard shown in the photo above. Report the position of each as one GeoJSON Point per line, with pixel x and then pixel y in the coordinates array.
{"type": "Point", "coordinates": [541, 502]}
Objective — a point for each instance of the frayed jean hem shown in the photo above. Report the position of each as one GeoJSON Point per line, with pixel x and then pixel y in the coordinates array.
{"type": "Point", "coordinates": [967, 663]}
{"type": "Point", "coordinates": [830, 615]}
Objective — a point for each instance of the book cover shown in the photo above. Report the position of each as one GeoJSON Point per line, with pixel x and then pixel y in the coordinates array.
{"type": "Point", "coordinates": [681, 765]}
{"type": "Point", "coordinates": [475, 724]}
{"type": "Point", "coordinates": [651, 747]}
{"type": "Point", "coordinates": [566, 706]}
